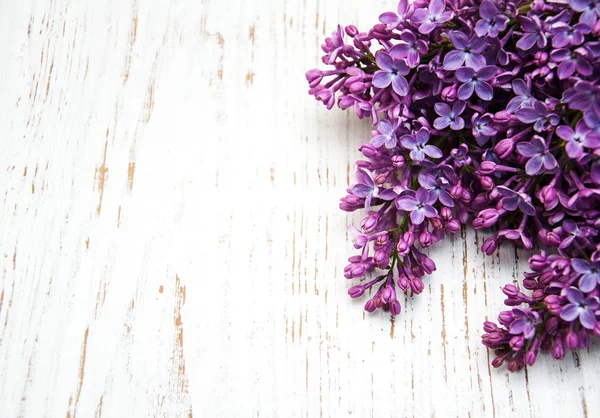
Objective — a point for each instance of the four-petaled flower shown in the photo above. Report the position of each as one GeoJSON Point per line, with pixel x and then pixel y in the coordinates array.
{"type": "Point", "coordinates": [437, 188]}
{"type": "Point", "coordinates": [540, 158]}
{"type": "Point", "coordinates": [449, 116]}
{"type": "Point", "coordinates": [483, 128]}
{"type": "Point", "coordinates": [433, 15]}
{"type": "Point", "coordinates": [513, 200]}
{"type": "Point", "coordinates": [522, 97]}
{"type": "Point", "coordinates": [492, 22]}
{"type": "Point", "coordinates": [392, 20]}
{"type": "Point", "coordinates": [590, 9]}
{"type": "Point", "coordinates": [576, 139]}
{"type": "Point", "coordinates": [571, 61]}
{"type": "Point", "coordinates": [533, 33]}
{"type": "Point", "coordinates": [392, 72]}
{"type": "Point", "coordinates": [386, 135]}
{"type": "Point", "coordinates": [476, 80]}
{"type": "Point", "coordinates": [409, 47]}
{"type": "Point", "coordinates": [461, 155]}
{"type": "Point", "coordinates": [539, 115]}
{"type": "Point", "coordinates": [564, 34]}
{"type": "Point", "coordinates": [419, 205]}
{"type": "Point", "coordinates": [418, 146]}
{"type": "Point", "coordinates": [468, 51]}
{"type": "Point", "coordinates": [580, 307]}
{"type": "Point", "coordinates": [590, 273]}
{"type": "Point", "coordinates": [365, 187]}
{"type": "Point", "coordinates": [524, 323]}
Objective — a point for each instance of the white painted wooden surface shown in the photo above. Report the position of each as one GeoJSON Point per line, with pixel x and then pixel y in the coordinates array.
{"type": "Point", "coordinates": [170, 238]}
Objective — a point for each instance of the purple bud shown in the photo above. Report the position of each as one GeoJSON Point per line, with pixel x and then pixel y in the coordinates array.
{"type": "Point", "coordinates": [403, 283]}
{"type": "Point", "coordinates": [369, 223]}
{"type": "Point", "coordinates": [402, 247]}
{"type": "Point", "coordinates": [351, 31]}
{"type": "Point", "coordinates": [398, 161]}
{"type": "Point", "coordinates": [381, 178]}
{"type": "Point", "coordinates": [541, 57]}
{"type": "Point", "coordinates": [446, 213]}
{"type": "Point", "coordinates": [380, 257]}
{"type": "Point", "coordinates": [453, 226]}
{"type": "Point", "coordinates": [368, 150]}
{"type": "Point", "coordinates": [417, 285]}
{"type": "Point", "coordinates": [571, 340]}
{"type": "Point", "coordinates": [504, 148]}
{"type": "Point", "coordinates": [489, 326]}
{"type": "Point", "coordinates": [456, 191]}
{"type": "Point", "coordinates": [537, 262]}
{"type": "Point", "coordinates": [449, 93]}
{"type": "Point", "coordinates": [558, 351]}
{"type": "Point", "coordinates": [487, 167]}
{"type": "Point", "coordinates": [425, 239]}
{"type": "Point", "coordinates": [506, 318]}
{"type": "Point", "coordinates": [515, 365]}
{"type": "Point", "coordinates": [314, 77]}
{"type": "Point", "coordinates": [517, 342]}
{"type": "Point", "coordinates": [428, 265]}
{"type": "Point", "coordinates": [530, 357]}
{"type": "Point", "coordinates": [511, 291]}
{"type": "Point", "coordinates": [395, 308]}
{"type": "Point", "coordinates": [356, 291]}
{"type": "Point", "coordinates": [497, 362]}
{"type": "Point", "coordinates": [370, 306]}
{"type": "Point", "coordinates": [538, 294]}
{"type": "Point", "coordinates": [502, 117]}
{"type": "Point", "coordinates": [486, 182]}
{"type": "Point", "coordinates": [551, 325]}
{"type": "Point", "coordinates": [489, 246]}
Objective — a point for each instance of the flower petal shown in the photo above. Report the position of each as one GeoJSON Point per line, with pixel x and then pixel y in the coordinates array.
{"type": "Point", "coordinates": [570, 312]}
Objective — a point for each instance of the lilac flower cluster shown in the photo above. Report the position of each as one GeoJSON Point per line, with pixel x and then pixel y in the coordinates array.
{"type": "Point", "coordinates": [484, 112]}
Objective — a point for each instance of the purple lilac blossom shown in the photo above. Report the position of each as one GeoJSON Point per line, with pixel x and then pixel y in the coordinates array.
{"type": "Point", "coordinates": [486, 113]}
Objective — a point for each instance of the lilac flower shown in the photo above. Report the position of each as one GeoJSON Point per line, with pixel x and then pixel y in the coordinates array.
{"type": "Point", "coordinates": [534, 33]}
{"type": "Point", "coordinates": [524, 323]}
{"type": "Point", "coordinates": [585, 95]}
{"type": "Point", "coordinates": [449, 116]}
{"type": "Point", "coordinates": [540, 159]}
{"type": "Point", "coordinates": [539, 115]}
{"type": "Point", "coordinates": [513, 200]}
{"type": "Point", "coordinates": [365, 187]}
{"type": "Point", "coordinates": [392, 20]}
{"type": "Point", "coordinates": [476, 81]}
{"type": "Point", "coordinates": [573, 231]}
{"type": "Point", "coordinates": [391, 72]}
{"type": "Point", "coordinates": [418, 205]}
{"type": "Point", "coordinates": [432, 16]}
{"type": "Point", "coordinates": [580, 307]}
{"type": "Point", "coordinates": [461, 156]}
{"type": "Point", "coordinates": [386, 135]}
{"type": "Point", "coordinates": [437, 188]}
{"type": "Point", "coordinates": [418, 147]}
{"type": "Point", "coordinates": [467, 51]}
{"type": "Point", "coordinates": [590, 272]}
{"type": "Point", "coordinates": [522, 97]}
{"type": "Point", "coordinates": [410, 48]}
{"type": "Point", "coordinates": [570, 61]}
{"type": "Point", "coordinates": [590, 9]}
{"type": "Point", "coordinates": [335, 45]}
{"type": "Point", "coordinates": [576, 139]}
{"type": "Point", "coordinates": [483, 128]}
{"type": "Point", "coordinates": [492, 22]}
{"type": "Point", "coordinates": [564, 34]}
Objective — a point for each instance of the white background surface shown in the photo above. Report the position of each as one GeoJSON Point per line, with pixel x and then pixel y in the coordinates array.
{"type": "Point", "coordinates": [170, 238]}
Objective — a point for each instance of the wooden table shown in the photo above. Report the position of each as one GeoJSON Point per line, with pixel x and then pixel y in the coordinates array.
{"type": "Point", "coordinates": [171, 243]}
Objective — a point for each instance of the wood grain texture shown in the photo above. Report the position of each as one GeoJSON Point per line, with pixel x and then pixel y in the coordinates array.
{"type": "Point", "coordinates": [171, 242]}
